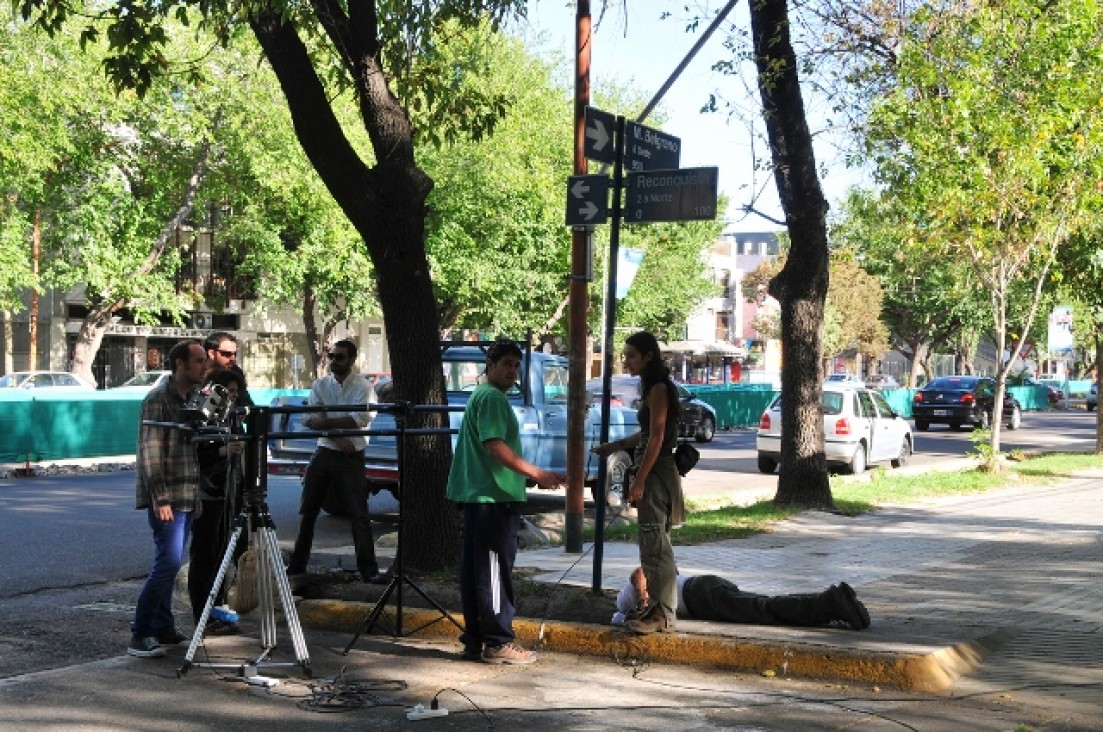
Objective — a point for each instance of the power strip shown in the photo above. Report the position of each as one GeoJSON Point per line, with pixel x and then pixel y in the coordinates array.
{"type": "Point", "coordinates": [266, 681]}
{"type": "Point", "coordinates": [421, 712]}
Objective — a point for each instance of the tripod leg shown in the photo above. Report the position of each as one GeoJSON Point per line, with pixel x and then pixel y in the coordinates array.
{"type": "Point", "coordinates": [302, 655]}
{"type": "Point", "coordinates": [373, 616]}
{"type": "Point", "coordinates": [201, 625]}
{"type": "Point", "coordinates": [264, 589]}
{"type": "Point", "coordinates": [434, 603]}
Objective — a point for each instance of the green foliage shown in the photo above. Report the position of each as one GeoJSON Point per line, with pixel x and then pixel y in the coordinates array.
{"type": "Point", "coordinates": [988, 147]}
{"type": "Point", "coordinates": [102, 173]}
{"type": "Point", "coordinates": [930, 298]}
{"type": "Point", "coordinates": [497, 243]}
{"type": "Point", "coordinates": [673, 278]}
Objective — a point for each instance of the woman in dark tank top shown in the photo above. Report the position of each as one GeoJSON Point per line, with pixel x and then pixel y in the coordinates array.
{"type": "Point", "coordinates": [656, 488]}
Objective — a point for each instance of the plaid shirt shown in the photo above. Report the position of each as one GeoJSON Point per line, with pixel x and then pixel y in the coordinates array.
{"type": "Point", "coordinates": [167, 461]}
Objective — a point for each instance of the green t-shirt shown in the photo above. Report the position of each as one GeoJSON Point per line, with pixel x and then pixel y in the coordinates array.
{"type": "Point", "coordinates": [476, 477]}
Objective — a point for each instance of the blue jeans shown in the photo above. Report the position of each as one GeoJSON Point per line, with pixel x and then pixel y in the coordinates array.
{"type": "Point", "coordinates": [153, 614]}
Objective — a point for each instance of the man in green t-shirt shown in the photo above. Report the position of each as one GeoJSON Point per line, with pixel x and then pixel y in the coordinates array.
{"type": "Point", "coordinates": [487, 480]}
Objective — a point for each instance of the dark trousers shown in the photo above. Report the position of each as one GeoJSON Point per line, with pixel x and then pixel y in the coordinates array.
{"type": "Point", "coordinates": [486, 572]}
{"type": "Point", "coordinates": [709, 597]}
{"type": "Point", "coordinates": [210, 535]}
{"type": "Point", "coordinates": [343, 473]}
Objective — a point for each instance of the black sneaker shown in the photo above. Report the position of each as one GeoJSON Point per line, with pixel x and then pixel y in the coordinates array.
{"type": "Point", "coordinates": [144, 647]}
{"type": "Point", "coordinates": [852, 598]}
{"type": "Point", "coordinates": [171, 638]}
{"type": "Point", "coordinates": [472, 652]}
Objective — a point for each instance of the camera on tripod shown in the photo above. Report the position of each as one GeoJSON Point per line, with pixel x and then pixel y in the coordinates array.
{"type": "Point", "coordinates": [208, 409]}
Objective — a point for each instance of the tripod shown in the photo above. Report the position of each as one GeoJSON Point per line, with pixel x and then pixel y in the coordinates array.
{"type": "Point", "coordinates": [254, 517]}
{"type": "Point", "coordinates": [269, 566]}
{"type": "Point", "coordinates": [399, 577]}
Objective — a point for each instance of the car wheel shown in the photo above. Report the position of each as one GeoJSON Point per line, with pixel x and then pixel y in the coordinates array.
{"type": "Point", "coordinates": [905, 454]}
{"type": "Point", "coordinates": [858, 460]}
{"type": "Point", "coordinates": [1090, 407]}
{"type": "Point", "coordinates": [921, 425]}
{"type": "Point", "coordinates": [766, 464]}
{"type": "Point", "coordinates": [984, 420]}
{"type": "Point", "coordinates": [1016, 418]}
{"type": "Point", "coordinates": [706, 431]}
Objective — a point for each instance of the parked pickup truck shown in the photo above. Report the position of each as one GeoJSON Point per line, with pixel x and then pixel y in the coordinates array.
{"type": "Point", "coordinates": [540, 403]}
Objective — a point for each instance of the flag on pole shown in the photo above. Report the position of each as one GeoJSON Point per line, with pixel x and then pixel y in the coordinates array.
{"type": "Point", "coordinates": [628, 263]}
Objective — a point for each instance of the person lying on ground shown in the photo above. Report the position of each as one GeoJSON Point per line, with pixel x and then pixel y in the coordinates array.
{"type": "Point", "coordinates": [709, 597]}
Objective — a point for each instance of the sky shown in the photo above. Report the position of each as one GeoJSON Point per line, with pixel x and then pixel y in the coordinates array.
{"type": "Point", "coordinates": [643, 50]}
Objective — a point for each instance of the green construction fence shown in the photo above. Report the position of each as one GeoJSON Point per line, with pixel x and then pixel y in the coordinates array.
{"type": "Point", "coordinates": [55, 425]}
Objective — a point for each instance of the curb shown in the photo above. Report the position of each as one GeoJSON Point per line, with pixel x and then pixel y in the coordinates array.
{"type": "Point", "coordinates": [920, 672]}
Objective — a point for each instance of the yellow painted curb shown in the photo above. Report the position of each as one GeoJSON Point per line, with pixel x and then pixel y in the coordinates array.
{"type": "Point", "coordinates": [913, 672]}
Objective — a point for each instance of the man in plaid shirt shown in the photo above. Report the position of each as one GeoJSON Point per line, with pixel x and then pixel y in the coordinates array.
{"type": "Point", "coordinates": [168, 489]}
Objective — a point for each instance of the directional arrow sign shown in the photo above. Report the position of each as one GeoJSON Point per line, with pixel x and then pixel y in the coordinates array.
{"type": "Point", "coordinates": [686, 194]}
{"type": "Point", "coordinates": [587, 200]}
{"type": "Point", "coordinates": [599, 136]}
{"type": "Point", "coordinates": [649, 149]}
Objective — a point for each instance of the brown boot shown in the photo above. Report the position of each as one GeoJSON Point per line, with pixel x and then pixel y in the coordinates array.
{"type": "Point", "coordinates": [652, 622]}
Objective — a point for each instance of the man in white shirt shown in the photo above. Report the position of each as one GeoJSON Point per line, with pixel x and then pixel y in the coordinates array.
{"type": "Point", "coordinates": [709, 597]}
{"type": "Point", "coordinates": [338, 463]}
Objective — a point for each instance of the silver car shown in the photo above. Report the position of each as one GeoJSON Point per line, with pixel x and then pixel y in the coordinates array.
{"type": "Point", "coordinates": [44, 380]}
{"type": "Point", "coordinates": [859, 427]}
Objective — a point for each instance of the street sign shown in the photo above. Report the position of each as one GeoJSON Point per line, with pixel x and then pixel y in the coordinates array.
{"type": "Point", "coordinates": [599, 143]}
{"type": "Point", "coordinates": [649, 149]}
{"type": "Point", "coordinates": [686, 194]}
{"type": "Point", "coordinates": [587, 200]}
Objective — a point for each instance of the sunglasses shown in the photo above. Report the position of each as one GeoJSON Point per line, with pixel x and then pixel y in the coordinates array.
{"type": "Point", "coordinates": [227, 354]}
{"type": "Point", "coordinates": [336, 356]}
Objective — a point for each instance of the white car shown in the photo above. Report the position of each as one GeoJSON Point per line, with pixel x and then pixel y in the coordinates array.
{"type": "Point", "coordinates": [844, 378]}
{"type": "Point", "coordinates": [859, 428]}
{"type": "Point", "coordinates": [43, 380]}
{"type": "Point", "coordinates": [881, 381]}
{"type": "Point", "coordinates": [144, 381]}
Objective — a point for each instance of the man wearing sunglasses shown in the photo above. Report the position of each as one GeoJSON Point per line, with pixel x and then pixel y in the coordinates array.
{"type": "Point", "coordinates": [222, 353]}
{"type": "Point", "coordinates": [338, 462]}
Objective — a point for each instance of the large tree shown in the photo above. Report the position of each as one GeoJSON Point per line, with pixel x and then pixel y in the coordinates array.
{"type": "Point", "coordinates": [997, 118]}
{"type": "Point", "coordinates": [97, 183]}
{"type": "Point", "coordinates": [930, 301]}
{"type": "Point", "coordinates": [385, 54]}
{"type": "Point", "coordinates": [801, 286]}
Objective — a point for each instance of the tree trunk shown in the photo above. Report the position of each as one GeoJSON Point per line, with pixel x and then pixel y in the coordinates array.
{"type": "Point", "coordinates": [801, 286]}
{"type": "Point", "coordinates": [386, 204]}
{"type": "Point", "coordinates": [9, 333]}
{"type": "Point", "coordinates": [90, 337]}
{"type": "Point", "coordinates": [1095, 379]}
{"type": "Point", "coordinates": [310, 327]}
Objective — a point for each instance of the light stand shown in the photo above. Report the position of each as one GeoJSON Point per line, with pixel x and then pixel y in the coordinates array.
{"type": "Point", "coordinates": [254, 516]}
{"type": "Point", "coordinates": [399, 577]}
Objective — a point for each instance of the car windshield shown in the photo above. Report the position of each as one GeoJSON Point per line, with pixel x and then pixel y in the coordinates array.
{"type": "Point", "coordinates": [12, 380]}
{"type": "Point", "coordinates": [832, 402]}
{"type": "Point", "coordinates": [147, 379]}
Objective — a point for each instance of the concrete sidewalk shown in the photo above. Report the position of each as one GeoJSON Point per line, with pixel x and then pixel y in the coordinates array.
{"type": "Point", "coordinates": [1002, 587]}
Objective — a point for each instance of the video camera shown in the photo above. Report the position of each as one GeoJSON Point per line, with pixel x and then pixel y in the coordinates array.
{"type": "Point", "coordinates": [210, 405]}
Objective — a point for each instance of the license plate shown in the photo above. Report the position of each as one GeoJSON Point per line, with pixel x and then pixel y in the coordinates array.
{"type": "Point", "coordinates": [942, 412]}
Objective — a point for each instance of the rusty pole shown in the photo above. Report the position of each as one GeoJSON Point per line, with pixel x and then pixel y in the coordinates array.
{"type": "Point", "coordinates": [578, 332]}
